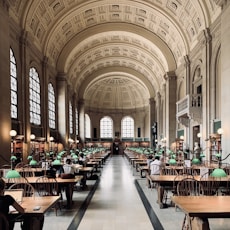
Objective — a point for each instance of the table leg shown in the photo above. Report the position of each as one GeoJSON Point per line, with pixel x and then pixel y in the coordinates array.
{"type": "Point", "coordinates": [160, 192]}
{"type": "Point", "coordinates": [199, 223]}
{"type": "Point", "coordinates": [69, 194]}
{"type": "Point", "coordinates": [33, 222]}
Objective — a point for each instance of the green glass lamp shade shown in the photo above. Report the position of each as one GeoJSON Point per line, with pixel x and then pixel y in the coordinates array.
{"type": "Point", "coordinates": [13, 158]}
{"type": "Point", "coordinates": [172, 161]}
{"type": "Point", "coordinates": [56, 162]}
{"type": "Point", "coordinates": [12, 174]}
{"type": "Point", "coordinates": [29, 158]}
{"type": "Point", "coordinates": [218, 173]}
{"type": "Point", "coordinates": [75, 156]}
{"type": "Point", "coordinates": [218, 155]}
{"type": "Point", "coordinates": [202, 155]}
{"type": "Point", "coordinates": [59, 157]}
{"type": "Point", "coordinates": [33, 162]}
{"type": "Point", "coordinates": [195, 161]}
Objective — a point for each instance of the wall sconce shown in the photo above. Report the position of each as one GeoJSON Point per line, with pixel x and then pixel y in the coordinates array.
{"type": "Point", "coordinates": [182, 138]}
{"type": "Point", "coordinates": [199, 135]}
{"type": "Point", "coordinates": [220, 131]}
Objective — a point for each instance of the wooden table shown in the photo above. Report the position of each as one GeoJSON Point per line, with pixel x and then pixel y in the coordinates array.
{"type": "Point", "coordinates": [203, 207]}
{"type": "Point", "coordinates": [68, 184]}
{"type": "Point", "coordinates": [172, 180]}
{"type": "Point", "coordinates": [35, 218]}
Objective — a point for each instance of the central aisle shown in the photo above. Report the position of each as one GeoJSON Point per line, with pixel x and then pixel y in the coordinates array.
{"type": "Point", "coordinates": [116, 204]}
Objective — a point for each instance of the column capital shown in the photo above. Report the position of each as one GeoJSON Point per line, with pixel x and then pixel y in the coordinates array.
{"type": "Point", "coordinates": [170, 76]}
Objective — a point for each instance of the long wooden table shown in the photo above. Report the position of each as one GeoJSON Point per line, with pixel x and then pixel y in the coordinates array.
{"type": "Point", "coordinates": [163, 181]}
{"type": "Point", "coordinates": [68, 184]}
{"type": "Point", "coordinates": [35, 218]}
{"type": "Point", "coordinates": [203, 207]}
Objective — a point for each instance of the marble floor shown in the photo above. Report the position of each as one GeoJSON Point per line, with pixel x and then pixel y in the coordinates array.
{"type": "Point", "coordinates": [118, 200]}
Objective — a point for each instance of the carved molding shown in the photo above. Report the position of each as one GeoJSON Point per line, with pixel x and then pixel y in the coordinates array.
{"type": "Point", "coordinates": [184, 121]}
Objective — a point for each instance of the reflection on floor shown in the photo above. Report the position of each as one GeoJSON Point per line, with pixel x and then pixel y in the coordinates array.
{"type": "Point", "coordinates": [121, 201]}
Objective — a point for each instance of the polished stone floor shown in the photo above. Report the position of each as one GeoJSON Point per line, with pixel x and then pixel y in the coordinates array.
{"type": "Point", "coordinates": [119, 200]}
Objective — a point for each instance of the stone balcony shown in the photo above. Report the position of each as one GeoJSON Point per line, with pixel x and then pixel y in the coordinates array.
{"type": "Point", "coordinates": [189, 108]}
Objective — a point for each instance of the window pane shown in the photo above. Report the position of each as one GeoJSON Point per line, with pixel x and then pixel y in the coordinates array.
{"type": "Point", "coordinates": [127, 127]}
{"type": "Point", "coordinates": [13, 86]}
{"type": "Point", "coordinates": [35, 107]}
{"type": "Point", "coordinates": [51, 106]}
{"type": "Point", "coordinates": [106, 127]}
{"type": "Point", "coordinates": [70, 118]}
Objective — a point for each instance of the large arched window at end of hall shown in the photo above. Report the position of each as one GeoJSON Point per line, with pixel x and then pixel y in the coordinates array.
{"type": "Point", "coordinates": [106, 127]}
{"type": "Point", "coordinates": [51, 106]}
{"type": "Point", "coordinates": [13, 86]}
{"type": "Point", "coordinates": [70, 118]}
{"type": "Point", "coordinates": [127, 127]}
{"type": "Point", "coordinates": [35, 97]}
{"type": "Point", "coordinates": [87, 126]}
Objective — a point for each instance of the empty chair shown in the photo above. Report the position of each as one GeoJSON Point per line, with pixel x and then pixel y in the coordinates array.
{"type": "Point", "coordinates": [46, 186]}
{"type": "Point", "coordinates": [169, 171]}
{"type": "Point", "coordinates": [27, 171]}
{"type": "Point", "coordinates": [189, 187]}
{"type": "Point", "coordinates": [210, 184]}
{"type": "Point", "coordinates": [28, 189]}
{"type": "Point", "coordinates": [17, 180]}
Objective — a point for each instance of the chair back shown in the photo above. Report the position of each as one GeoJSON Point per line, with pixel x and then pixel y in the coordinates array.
{"type": "Point", "coordinates": [189, 187]}
{"type": "Point", "coordinates": [28, 189]}
{"type": "Point", "coordinates": [168, 170]}
{"type": "Point", "coordinates": [210, 184]}
{"type": "Point", "coordinates": [47, 186]}
{"type": "Point", "coordinates": [4, 223]}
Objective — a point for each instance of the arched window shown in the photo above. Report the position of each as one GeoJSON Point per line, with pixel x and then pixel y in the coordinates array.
{"type": "Point", "coordinates": [76, 115]}
{"type": "Point", "coordinates": [70, 118]}
{"type": "Point", "coordinates": [35, 97]}
{"type": "Point", "coordinates": [13, 86]}
{"type": "Point", "coordinates": [127, 127]}
{"type": "Point", "coordinates": [51, 106]}
{"type": "Point", "coordinates": [106, 127]}
{"type": "Point", "coordinates": [87, 126]}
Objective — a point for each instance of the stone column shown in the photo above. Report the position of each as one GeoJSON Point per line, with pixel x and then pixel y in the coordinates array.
{"type": "Point", "coordinates": [225, 73]}
{"type": "Point", "coordinates": [5, 115]}
{"type": "Point", "coordinates": [81, 104]}
{"type": "Point", "coordinates": [152, 118]}
{"type": "Point", "coordinates": [63, 108]}
{"type": "Point", "coordinates": [44, 99]}
{"type": "Point", "coordinates": [24, 112]}
{"type": "Point", "coordinates": [170, 103]}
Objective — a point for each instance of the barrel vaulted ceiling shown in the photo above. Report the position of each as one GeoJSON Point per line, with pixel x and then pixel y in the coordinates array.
{"type": "Point", "coordinates": [115, 54]}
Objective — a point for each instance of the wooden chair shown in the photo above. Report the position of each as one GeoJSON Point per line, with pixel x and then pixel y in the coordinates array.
{"type": "Point", "coordinates": [226, 191]}
{"type": "Point", "coordinates": [46, 186]}
{"type": "Point", "coordinates": [4, 223]}
{"type": "Point", "coordinates": [28, 189]}
{"type": "Point", "coordinates": [210, 184]}
{"type": "Point", "coordinates": [27, 171]}
{"type": "Point", "coordinates": [189, 187]}
{"type": "Point", "coordinates": [168, 170]}
{"type": "Point", "coordinates": [17, 180]}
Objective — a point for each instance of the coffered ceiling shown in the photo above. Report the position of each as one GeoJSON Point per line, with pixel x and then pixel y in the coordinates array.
{"type": "Point", "coordinates": [115, 54]}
